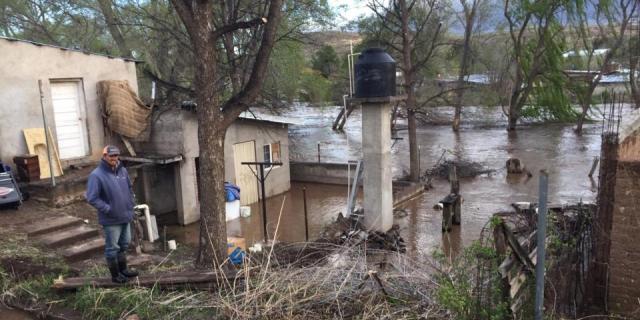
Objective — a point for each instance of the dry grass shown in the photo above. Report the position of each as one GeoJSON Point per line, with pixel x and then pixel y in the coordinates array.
{"type": "Point", "coordinates": [346, 283]}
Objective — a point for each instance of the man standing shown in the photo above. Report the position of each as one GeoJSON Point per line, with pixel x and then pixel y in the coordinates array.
{"type": "Point", "coordinates": [109, 191]}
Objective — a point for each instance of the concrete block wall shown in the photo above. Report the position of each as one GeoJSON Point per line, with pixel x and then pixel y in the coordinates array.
{"type": "Point", "coordinates": [321, 172]}
{"type": "Point", "coordinates": [624, 263]}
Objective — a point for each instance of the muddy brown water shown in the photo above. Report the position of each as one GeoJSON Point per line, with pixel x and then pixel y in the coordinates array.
{"type": "Point", "coordinates": [553, 147]}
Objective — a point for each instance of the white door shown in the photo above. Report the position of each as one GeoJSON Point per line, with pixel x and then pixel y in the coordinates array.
{"type": "Point", "coordinates": [246, 152]}
{"type": "Point", "coordinates": [70, 131]}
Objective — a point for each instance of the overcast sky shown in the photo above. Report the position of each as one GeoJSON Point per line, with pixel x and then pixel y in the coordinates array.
{"type": "Point", "coordinates": [348, 10]}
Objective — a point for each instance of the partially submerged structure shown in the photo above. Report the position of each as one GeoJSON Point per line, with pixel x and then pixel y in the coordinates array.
{"type": "Point", "coordinates": [172, 185]}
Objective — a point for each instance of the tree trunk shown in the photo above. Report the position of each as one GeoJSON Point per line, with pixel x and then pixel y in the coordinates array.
{"type": "Point", "coordinates": [469, 14]}
{"type": "Point", "coordinates": [112, 24]}
{"type": "Point", "coordinates": [582, 117]}
{"type": "Point", "coordinates": [514, 110]}
{"type": "Point", "coordinates": [414, 159]}
{"type": "Point", "coordinates": [633, 80]}
{"type": "Point", "coordinates": [211, 133]}
{"type": "Point", "coordinates": [213, 230]}
{"type": "Point", "coordinates": [410, 103]}
{"type": "Point", "coordinates": [215, 117]}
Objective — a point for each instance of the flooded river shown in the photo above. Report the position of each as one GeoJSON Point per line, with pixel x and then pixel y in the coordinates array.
{"type": "Point", "coordinates": [483, 139]}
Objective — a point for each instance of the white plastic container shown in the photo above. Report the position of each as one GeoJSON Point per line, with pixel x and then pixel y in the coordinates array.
{"type": "Point", "coordinates": [232, 210]}
{"type": "Point", "coordinates": [245, 211]}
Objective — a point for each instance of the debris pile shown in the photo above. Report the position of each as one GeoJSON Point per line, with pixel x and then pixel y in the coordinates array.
{"type": "Point", "coordinates": [465, 169]}
{"type": "Point", "coordinates": [350, 232]}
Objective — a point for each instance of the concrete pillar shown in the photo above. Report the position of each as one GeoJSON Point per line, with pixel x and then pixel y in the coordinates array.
{"type": "Point", "coordinates": [187, 191]}
{"type": "Point", "coordinates": [376, 148]}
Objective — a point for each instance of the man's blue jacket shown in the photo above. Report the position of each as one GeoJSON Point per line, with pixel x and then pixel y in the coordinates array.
{"type": "Point", "coordinates": [109, 191]}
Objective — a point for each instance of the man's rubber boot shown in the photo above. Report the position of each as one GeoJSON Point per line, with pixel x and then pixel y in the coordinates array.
{"type": "Point", "coordinates": [122, 266]}
{"type": "Point", "coordinates": [116, 276]}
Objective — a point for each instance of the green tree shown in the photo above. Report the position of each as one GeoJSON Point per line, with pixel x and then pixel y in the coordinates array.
{"type": "Point", "coordinates": [537, 39]}
{"type": "Point", "coordinates": [612, 20]}
{"type": "Point", "coordinates": [326, 61]}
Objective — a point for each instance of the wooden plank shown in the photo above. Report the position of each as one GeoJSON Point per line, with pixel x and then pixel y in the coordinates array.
{"type": "Point", "coordinates": [128, 145]}
{"type": "Point", "coordinates": [520, 253]}
{"type": "Point", "coordinates": [150, 280]}
{"type": "Point", "coordinates": [517, 284]}
{"type": "Point", "coordinates": [50, 225]}
{"type": "Point", "coordinates": [37, 144]}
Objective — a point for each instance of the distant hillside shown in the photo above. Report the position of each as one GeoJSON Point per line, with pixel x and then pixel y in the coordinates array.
{"type": "Point", "coordinates": [338, 40]}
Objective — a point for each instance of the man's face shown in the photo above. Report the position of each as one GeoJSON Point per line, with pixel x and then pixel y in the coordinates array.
{"type": "Point", "coordinates": [112, 160]}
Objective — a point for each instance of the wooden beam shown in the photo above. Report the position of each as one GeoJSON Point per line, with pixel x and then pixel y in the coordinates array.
{"type": "Point", "coordinates": [520, 253]}
{"type": "Point", "coordinates": [173, 279]}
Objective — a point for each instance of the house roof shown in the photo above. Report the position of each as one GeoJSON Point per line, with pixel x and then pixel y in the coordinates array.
{"type": "Point", "coordinates": [267, 118]}
{"type": "Point", "coordinates": [38, 44]}
{"type": "Point", "coordinates": [584, 53]}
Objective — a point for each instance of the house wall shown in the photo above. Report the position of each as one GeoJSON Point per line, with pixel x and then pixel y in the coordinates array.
{"type": "Point", "coordinates": [175, 132]}
{"type": "Point", "coordinates": [243, 130]}
{"type": "Point", "coordinates": [624, 263]}
{"type": "Point", "coordinates": [23, 64]}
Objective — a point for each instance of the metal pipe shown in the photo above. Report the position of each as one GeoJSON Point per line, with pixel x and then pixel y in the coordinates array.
{"type": "Point", "coordinates": [147, 218]}
{"type": "Point", "coordinates": [541, 237]}
{"type": "Point", "coordinates": [344, 104]}
{"type": "Point", "coordinates": [264, 204]}
{"type": "Point", "coordinates": [46, 134]}
{"type": "Point", "coordinates": [306, 221]}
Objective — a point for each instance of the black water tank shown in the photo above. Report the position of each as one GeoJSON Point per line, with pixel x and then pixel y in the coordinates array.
{"type": "Point", "coordinates": [375, 74]}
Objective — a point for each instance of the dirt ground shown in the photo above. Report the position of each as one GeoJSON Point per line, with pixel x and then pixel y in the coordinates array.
{"type": "Point", "coordinates": [33, 210]}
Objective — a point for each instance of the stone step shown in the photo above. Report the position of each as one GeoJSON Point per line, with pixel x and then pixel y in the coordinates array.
{"type": "Point", "coordinates": [50, 225]}
{"type": "Point", "coordinates": [68, 236]}
{"type": "Point", "coordinates": [84, 250]}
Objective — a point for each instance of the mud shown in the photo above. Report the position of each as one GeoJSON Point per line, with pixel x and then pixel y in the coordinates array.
{"type": "Point", "coordinates": [14, 314]}
{"type": "Point", "coordinates": [21, 268]}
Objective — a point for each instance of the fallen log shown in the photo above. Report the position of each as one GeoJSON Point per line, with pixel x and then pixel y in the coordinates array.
{"type": "Point", "coordinates": [196, 279]}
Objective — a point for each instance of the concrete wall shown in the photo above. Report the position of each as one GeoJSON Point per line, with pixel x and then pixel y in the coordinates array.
{"type": "Point", "coordinates": [23, 64]}
{"type": "Point", "coordinates": [629, 149]}
{"type": "Point", "coordinates": [624, 270]}
{"type": "Point", "coordinates": [321, 172]}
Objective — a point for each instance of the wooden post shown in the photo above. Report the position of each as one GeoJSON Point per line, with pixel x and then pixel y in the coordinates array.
{"type": "Point", "coordinates": [306, 221]}
{"type": "Point", "coordinates": [453, 180]}
{"type": "Point", "coordinates": [596, 159]}
{"type": "Point", "coordinates": [455, 191]}
{"type": "Point", "coordinates": [318, 152]}
{"type": "Point", "coordinates": [457, 210]}
{"type": "Point", "coordinates": [446, 217]}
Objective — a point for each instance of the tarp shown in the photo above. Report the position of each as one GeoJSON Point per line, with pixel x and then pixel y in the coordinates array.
{"type": "Point", "coordinates": [124, 112]}
{"type": "Point", "coordinates": [232, 192]}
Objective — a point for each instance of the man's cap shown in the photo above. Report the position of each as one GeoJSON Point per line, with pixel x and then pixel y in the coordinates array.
{"type": "Point", "coordinates": [111, 150]}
